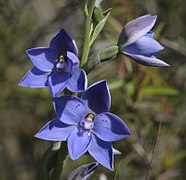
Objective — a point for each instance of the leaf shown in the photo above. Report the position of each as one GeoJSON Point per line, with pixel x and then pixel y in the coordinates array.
{"type": "Point", "coordinates": [83, 172]}
{"type": "Point", "coordinates": [61, 160]}
{"type": "Point", "coordinates": [171, 159]}
{"type": "Point", "coordinates": [157, 90]}
{"type": "Point", "coordinates": [99, 28]}
{"type": "Point", "coordinates": [48, 161]}
{"type": "Point", "coordinates": [116, 84]}
{"type": "Point", "coordinates": [152, 75]}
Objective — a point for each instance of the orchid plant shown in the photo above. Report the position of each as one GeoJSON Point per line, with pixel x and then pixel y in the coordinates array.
{"type": "Point", "coordinates": [84, 120]}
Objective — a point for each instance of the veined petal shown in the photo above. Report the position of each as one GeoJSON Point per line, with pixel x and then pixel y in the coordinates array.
{"type": "Point", "coordinates": [136, 29]}
{"type": "Point", "coordinates": [110, 127]}
{"type": "Point", "coordinates": [97, 96]}
{"type": "Point", "coordinates": [55, 130]}
{"type": "Point", "coordinates": [43, 58]}
{"type": "Point", "coordinates": [146, 46]}
{"type": "Point", "coordinates": [57, 82]}
{"type": "Point", "coordinates": [35, 79]}
{"type": "Point", "coordinates": [78, 143]}
{"type": "Point", "coordinates": [78, 81]}
{"type": "Point", "coordinates": [70, 109]}
{"type": "Point", "coordinates": [63, 42]}
{"type": "Point", "coordinates": [147, 61]}
{"type": "Point", "coordinates": [102, 152]}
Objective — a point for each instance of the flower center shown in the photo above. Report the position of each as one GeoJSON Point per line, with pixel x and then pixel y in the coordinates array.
{"type": "Point", "coordinates": [61, 58]}
{"type": "Point", "coordinates": [88, 123]}
{"type": "Point", "coordinates": [61, 64]}
{"type": "Point", "coordinates": [90, 117]}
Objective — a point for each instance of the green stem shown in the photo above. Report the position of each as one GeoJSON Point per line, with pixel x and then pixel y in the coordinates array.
{"type": "Point", "coordinates": [87, 27]}
{"type": "Point", "coordinates": [82, 4]}
{"type": "Point", "coordinates": [61, 159]}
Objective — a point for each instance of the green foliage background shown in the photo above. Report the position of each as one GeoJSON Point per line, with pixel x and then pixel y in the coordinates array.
{"type": "Point", "coordinates": [141, 96]}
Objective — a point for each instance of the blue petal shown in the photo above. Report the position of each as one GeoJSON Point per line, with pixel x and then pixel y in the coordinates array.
{"type": "Point", "coordinates": [78, 81]}
{"type": "Point", "coordinates": [55, 130]}
{"type": "Point", "coordinates": [110, 127]}
{"type": "Point", "coordinates": [43, 58]}
{"type": "Point", "coordinates": [136, 29]}
{"type": "Point", "coordinates": [35, 79]}
{"type": "Point", "coordinates": [147, 61]}
{"type": "Point", "coordinates": [57, 82]}
{"type": "Point", "coordinates": [70, 109]}
{"type": "Point", "coordinates": [102, 152]}
{"type": "Point", "coordinates": [62, 42]}
{"type": "Point", "coordinates": [150, 34]}
{"type": "Point", "coordinates": [97, 96]}
{"type": "Point", "coordinates": [144, 46]}
{"type": "Point", "coordinates": [73, 61]}
{"type": "Point", "coordinates": [78, 143]}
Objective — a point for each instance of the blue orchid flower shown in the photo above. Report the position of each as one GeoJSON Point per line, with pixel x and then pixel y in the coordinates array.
{"type": "Point", "coordinates": [136, 41]}
{"type": "Point", "coordinates": [56, 66]}
{"type": "Point", "coordinates": [86, 124]}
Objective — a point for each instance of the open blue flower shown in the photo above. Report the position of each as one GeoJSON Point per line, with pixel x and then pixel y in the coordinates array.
{"type": "Point", "coordinates": [136, 41]}
{"type": "Point", "coordinates": [86, 124]}
{"type": "Point", "coordinates": [56, 66]}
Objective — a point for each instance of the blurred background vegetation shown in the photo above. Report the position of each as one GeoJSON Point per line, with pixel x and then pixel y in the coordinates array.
{"type": "Point", "coordinates": [142, 96]}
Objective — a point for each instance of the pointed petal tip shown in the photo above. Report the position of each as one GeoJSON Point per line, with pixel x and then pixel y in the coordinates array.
{"type": "Point", "coordinates": [104, 82]}
{"type": "Point", "coordinates": [111, 167]}
{"type": "Point", "coordinates": [161, 47]}
{"type": "Point", "coordinates": [165, 65]}
{"type": "Point", "coordinates": [37, 135]}
{"type": "Point", "coordinates": [147, 61]}
{"type": "Point", "coordinates": [96, 92]}
{"type": "Point", "coordinates": [62, 41]}
{"type": "Point", "coordinates": [34, 78]}
{"type": "Point", "coordinates": [129, 133]}
{"type": "Point", "coordinates": [28, 50]}
{"type": "Point", "coordinates": [161, 63]}
{"type": "Point", "coordinates": [62, 30]}
{"type": "Point", "coordinates": [20, 83]}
